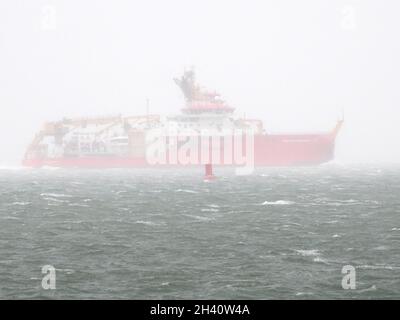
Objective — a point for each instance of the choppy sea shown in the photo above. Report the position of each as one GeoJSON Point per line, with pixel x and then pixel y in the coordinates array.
{"type": "Point", "coordinates": [280, 233]}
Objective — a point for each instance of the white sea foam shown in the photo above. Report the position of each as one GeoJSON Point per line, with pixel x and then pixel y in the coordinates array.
{"type": "Point", "coordinates": [10, 218]}
{"type": "Point", "coordinates": [332, 221]}
{"type": "Point", "coordinates": [20, 203]}
{"type": "Point", "coordinates": [278, 202]}
{"type": "Point", "coordinates": [200, 218]}
{"type": "Point", "coordinates": [304, 294]}
{"type": "Point", "coordinates": [209, 210]}
{"type": "Point", "coordinates": [378, 267]}
{"type": "Point", "coordinates": [336, 202]}
{"type": "Point", "coordinates": [320, 260]}
{"type": "Point", "coordinates": [312, 253]}
{"type": "Point", "coordinates": [67, 271]}
{"type": "Point", "coordinates": [308, 253]}
{"type": "Point", "coordinates": [186, 191]}
{"type": "Point", "coordinates": [372, 288]}
{"type": "Point", "coordinates": [55, 195]}
{"type": "Point", "coordinates": [147, 223]}
{"type": "Point", "coordinates": [350, 201]}
{"type": "Point", "coordinates": [381, 248]}
{"type": "Point", "coordinates": [55, 200]}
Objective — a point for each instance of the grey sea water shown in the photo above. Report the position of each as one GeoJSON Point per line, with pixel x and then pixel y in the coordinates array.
{"type": "Point", "coordinates": [131, 234]}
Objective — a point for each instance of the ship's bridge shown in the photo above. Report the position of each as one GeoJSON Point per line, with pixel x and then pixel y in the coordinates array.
{"type": "Point", "coordinates": [205, 120]}
{"type": "Point", "coordinates": [200, 107]}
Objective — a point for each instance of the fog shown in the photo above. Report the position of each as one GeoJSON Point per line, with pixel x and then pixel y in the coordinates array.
{"type": "Point", "coordinates": [297, 65]}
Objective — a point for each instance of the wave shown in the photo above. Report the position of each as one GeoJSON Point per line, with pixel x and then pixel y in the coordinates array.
{"type": "Point", "coordinates": [199, 218]}
{"type": "Point", "coordinates": [209, 210]}
{"type": "Point", "coordinates": [377, 267]}
{"type": "Point", "coordinates": [308, 253]}
{"type": "Point", "coordinates": [10, 218]}
{"type": "Point", "coordinates": [349, 201]}
{"type": "Point", "coordinates": [320, 260]}
{"type": "Point", "coordinates": [304, 294]}
{"type": "Point", "coordinates": [119, 192]}
{"type": "Point", "coordinates": [78, 205]}
{"type": "Point", "coordinates": [332, 221]}
{"type": "Point", "coordinates": [20, 203]}
{"type": "Point", "coordinates": [67, 271]}
{"type": "Point", "coordinates": [278, 202]}
{"type": "Point", "coordinates": [337, 202]}
{"type": "Point", "coordinates": [372, 288]}
{"type": "Point", "coordinates": [186, 191]}
{"type": "Point", "coordinates": [147, 223]}
{"type": "Point", "coordinates": [55, 200]}
{"type": "Point", "coordinates": [55, 195]}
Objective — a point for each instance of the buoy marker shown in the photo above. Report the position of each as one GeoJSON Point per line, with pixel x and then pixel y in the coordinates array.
{"type": "Point", "coordinates": [208, 172]}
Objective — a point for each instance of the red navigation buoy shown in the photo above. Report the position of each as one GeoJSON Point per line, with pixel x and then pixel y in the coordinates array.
{"type": "Point", "coordinates": [209, 172]}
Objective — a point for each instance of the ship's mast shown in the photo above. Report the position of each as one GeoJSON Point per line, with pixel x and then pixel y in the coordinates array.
{"type": "Point", "coordinates": [187, 84]}
{"type": "Point", "coordinates": [199, 100]}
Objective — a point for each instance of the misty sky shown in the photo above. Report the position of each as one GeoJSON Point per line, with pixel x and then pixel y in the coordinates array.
{"type": "Point", "coordinates": [294, 64]}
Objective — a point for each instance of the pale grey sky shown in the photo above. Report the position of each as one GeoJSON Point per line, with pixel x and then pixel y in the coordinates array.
{"type": "Point", "coordinates": [293, 64]}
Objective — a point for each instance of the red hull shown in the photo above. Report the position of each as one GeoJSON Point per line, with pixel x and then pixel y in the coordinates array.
{"type": "Point", "coordinates": [269, 150]}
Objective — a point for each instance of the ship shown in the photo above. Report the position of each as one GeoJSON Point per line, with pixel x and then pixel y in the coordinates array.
{"type": "Point", "coordinates": [206, 131]}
